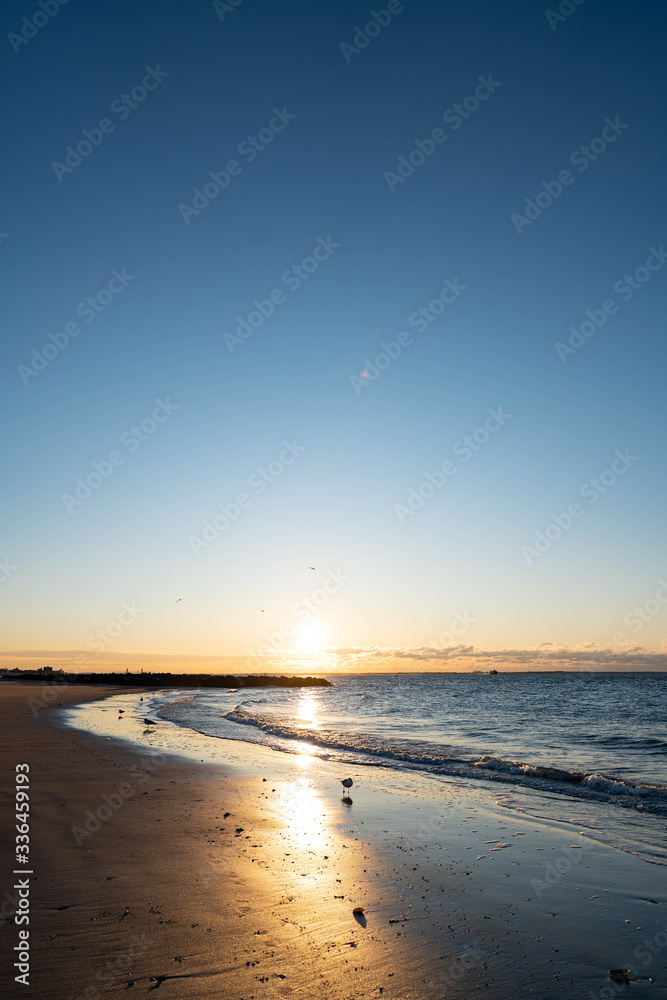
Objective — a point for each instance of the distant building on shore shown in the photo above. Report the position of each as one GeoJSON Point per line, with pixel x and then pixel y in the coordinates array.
{"type": "Point", "coordinates": [39, 674]}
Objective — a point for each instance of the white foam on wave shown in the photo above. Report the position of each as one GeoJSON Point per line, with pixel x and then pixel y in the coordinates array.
{"type": "Point", "coordinates": [616, 787]}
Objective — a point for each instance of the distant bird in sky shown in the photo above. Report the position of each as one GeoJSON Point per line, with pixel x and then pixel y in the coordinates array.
{"type": "Point", "coordinates": [347, 782]}
{"type": "Point", "coordinates": [180, 599]}
{"type": "Point", "coordinates": [262, 610]}
{"type": "Point", "coordinates": [312, 567]}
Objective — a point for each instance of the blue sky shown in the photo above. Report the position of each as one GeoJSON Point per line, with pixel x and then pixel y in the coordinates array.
{"type": "Point", "coordinates": [322, 180]}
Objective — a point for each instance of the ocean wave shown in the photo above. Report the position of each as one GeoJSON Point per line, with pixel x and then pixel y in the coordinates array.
{"type": "Point", "coordinates": [649, 744]}
{"type": "Point", "coordinates": [616, 786]}
{"type": "Point", "coordinates": [274, 725]}
{"type": "Point", "coordinates": [599, 782]}
{"type": "Point", "coordinates": [452, 761]}
{"type": "Point", "coordinates": [534, 770]}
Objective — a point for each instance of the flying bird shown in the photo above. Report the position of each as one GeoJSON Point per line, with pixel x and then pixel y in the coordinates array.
{"type": "Point", "coordinates": [180, 599]}
{"type": "Point", "coordinates": [312, 567]}
{"type": "Point", "coordinates": [347, 782]}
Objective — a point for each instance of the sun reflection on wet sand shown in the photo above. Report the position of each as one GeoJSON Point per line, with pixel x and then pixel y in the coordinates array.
{"type": "Point", "coordinates": [303, 811]}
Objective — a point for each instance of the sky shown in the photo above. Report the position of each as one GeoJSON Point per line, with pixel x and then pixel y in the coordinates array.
{"type": "Point", "coordinates": [334, 335]}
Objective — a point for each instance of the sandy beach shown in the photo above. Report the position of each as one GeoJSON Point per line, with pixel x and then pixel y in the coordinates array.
{"type": "Point", "coordinates": [237, 876]}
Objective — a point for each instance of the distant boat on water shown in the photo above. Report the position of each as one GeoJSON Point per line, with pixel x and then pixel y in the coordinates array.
{"type": "Point", "coordinates": [493, 671]}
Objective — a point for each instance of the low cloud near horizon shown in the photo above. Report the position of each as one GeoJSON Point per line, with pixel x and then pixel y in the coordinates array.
{"type": "Point", "coordinates": [351, 659]}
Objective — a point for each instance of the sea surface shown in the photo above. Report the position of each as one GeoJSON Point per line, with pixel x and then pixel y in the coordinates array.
{"type": "Point", "coordinates": [583, 749]}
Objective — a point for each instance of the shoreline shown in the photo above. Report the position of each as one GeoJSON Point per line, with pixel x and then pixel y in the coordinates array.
{"type": "Point", "coordinates": [612, 810]}
{"type": "Point", "coordinates": [446, 913]}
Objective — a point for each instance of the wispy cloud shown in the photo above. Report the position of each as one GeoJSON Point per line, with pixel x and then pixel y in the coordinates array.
{"type": "Point", "coordinates": [546, 656]}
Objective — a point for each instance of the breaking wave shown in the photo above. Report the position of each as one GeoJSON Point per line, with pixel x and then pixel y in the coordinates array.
{"type": "Point", "coordinates": [442, 760]}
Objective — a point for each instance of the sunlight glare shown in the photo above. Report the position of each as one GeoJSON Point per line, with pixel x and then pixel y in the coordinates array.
{"type": "Point", "coordinates": [310, 635]}
{"type": "Point", "coordinates": [307, 708]}
{"type": "Point", "coordinates": [305, 817]}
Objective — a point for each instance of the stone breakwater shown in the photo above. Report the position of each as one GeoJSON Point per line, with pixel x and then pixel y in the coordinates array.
{"type": "Point", "coordinates": [167, 680]}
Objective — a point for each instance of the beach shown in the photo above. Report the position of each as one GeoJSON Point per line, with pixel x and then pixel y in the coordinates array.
{"type": "Point", "coordinates": [235, 874]}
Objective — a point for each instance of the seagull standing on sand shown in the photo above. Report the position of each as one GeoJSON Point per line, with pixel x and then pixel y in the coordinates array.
{"type": "Point", "coordinates": [347, 782]}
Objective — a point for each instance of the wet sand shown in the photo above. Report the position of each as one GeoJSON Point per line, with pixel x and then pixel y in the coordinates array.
{"type": "Point", "coordinates": [167, 892]}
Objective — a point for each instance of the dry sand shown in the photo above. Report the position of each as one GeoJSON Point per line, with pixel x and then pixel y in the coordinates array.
{"type": "Point", "coordinates": [170, 893]}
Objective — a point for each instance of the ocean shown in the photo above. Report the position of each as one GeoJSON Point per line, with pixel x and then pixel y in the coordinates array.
{"type": "Point", "coordinates": [589, 750]}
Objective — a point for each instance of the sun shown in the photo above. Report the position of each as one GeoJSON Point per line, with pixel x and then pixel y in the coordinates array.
{"type": "Point", "coordinates": [310, 635]}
